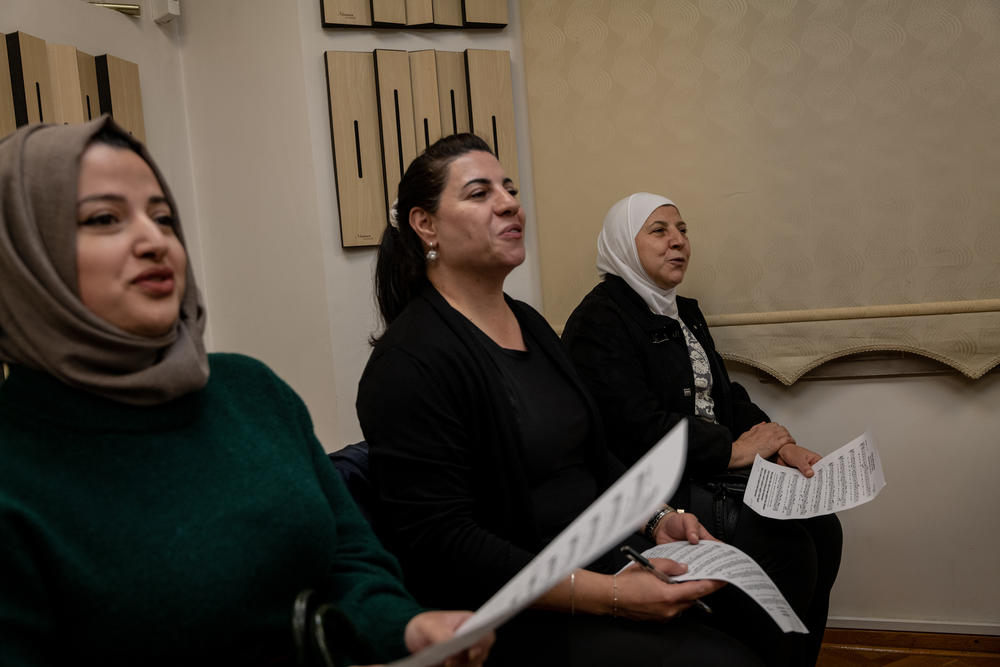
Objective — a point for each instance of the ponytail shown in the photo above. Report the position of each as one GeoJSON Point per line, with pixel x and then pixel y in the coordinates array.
{"type": "Point", "coordinates": [401, 270]}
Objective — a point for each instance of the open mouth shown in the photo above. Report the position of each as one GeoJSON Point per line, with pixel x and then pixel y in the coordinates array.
{"type": "Point", "coordinates": [159, 281]}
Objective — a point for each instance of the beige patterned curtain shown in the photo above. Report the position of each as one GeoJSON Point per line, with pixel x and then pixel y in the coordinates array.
{"type": "Point", "coordinates": [837, 161]}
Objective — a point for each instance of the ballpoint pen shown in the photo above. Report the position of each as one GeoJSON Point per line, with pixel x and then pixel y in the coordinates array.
{"type": "Point", "coordinates": [644, 563]}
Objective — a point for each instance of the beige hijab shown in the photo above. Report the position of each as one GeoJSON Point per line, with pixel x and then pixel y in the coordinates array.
{"type": "Point", "coordinates": [43, 323]}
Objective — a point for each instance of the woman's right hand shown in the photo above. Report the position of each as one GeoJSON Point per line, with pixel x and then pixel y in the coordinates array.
{"type": "Point", "coordinates": [644, 597]}
{"type": "Point", "coordinates": [765, 439]}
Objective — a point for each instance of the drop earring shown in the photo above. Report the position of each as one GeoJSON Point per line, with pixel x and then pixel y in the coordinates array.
{"type": "Point", "coordinates": [432, 254]}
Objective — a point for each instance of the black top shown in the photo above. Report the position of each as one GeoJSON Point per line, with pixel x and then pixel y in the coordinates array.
{"type": "Point", "coordinates": [455, 496]}
{"type": "Point", "coordinates": [637, 367]}
{"type": "Point", "coordinates": [553, 421]}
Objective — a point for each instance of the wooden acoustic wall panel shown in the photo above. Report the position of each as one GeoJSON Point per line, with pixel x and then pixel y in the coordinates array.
{"type": "Point", "coordinates": [120, 95]}
{"type": "Point", "coordinates": [7, 122]}
{"type": "Point", "coordinates": [395, 104]}
{"type": "Point", "coordinates": [66, 93]}
{"type": "Point", "coordinates": [90, 95]}
{"type": "Point", "coordinates": [31, 84]}
{"type": "Point", "coordinates": [357, 155]}
{"type": "Point", "coordinates": [419, 12]}
{"type": "Point", "coordinates": [389, 12]}
{"type": "Point", "coordinates": [346, 12]}
{"type": "Point", "coordinates": [453, 92]}
{"type": "Point", "coordinates": [485, 13]}
{"type": "Point", "coordinates": [491, 104]}
{"type": "Point", "coordinates": [448, 13]}
{"type": "Point", "coordinates": [426, 108]}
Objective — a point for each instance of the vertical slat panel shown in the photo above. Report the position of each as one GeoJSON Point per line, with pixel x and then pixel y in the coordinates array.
{"type": "Point", "coordinates": [426, 110]}
{"type": "Point", "coordinates": [453, 92]}
{"type": "Point", "coordinates": [7, 122]}
{"type": "Point", "coordinates": [120, 94]}
{"type": "Point", "coordinates": [64, 69]}
{"type": "Point", "coordinates": [389, 12]}
{"type": "Point", "coordinates": [448, 12]}
{"type": "Point", "coordinates": [356, 149]}
{"type": "Point", "coordinates": [31, 84]}
{"type": "Point", "coordinates": [485, 12]}
{"type": "Point", "coordinates": [346, 12]}
{"type": "Point", "coordinates": [395, 104]}
{"type": "Point", "coordinates": [90, 94]}
{"type": "Point", "coordinates": [419, 12]}
{"type": "Point", "coordinates": [491, 104]}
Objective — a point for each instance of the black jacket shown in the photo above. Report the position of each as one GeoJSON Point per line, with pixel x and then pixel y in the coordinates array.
{"type": "Point", "coordinates": [637, 367]}
{"type": "Point", "coordinates": [453, 496]}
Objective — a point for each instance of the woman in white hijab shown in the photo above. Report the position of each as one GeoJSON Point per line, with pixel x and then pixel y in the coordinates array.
{"type": "Point", "coordinates": [649, 360]}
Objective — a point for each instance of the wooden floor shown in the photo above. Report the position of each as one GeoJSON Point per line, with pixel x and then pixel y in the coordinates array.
{"type": "Point", "coordinates": [842, 648]}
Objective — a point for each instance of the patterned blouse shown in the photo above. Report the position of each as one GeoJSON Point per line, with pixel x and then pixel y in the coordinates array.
{"type": "Point", "coordinates": [704, 406]}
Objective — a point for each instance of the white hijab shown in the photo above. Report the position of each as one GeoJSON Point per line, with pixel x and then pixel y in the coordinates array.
{"type": "Point", "coordinates": [617, 254]}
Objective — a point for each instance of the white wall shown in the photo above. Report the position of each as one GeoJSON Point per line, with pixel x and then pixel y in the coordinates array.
{"type": "Point", "coordinates": [923, 555]}
{"type": "Point", "coordinates": [255, 192]}
{"type": "Point", "coordinates": [349, 271]}
{"type": "Point", "coordinates": [154, 49]}
{"type": "Point", "coordinates": [280, 285]}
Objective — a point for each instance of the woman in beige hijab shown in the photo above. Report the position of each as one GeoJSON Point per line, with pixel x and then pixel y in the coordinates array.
{"type": "Point", "coordinates": [157, 505]}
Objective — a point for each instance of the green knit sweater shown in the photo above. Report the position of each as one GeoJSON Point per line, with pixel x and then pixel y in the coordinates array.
{"type": "Point", "coordinates": [177, 533]}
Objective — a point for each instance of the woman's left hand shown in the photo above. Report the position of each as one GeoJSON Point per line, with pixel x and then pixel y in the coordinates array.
{"type": "Point", "coordinates": [432, 627]}
{"type": "Point", "coordinates": [678, 526]}
{"type": "Point", "coordinates": [795, 456]}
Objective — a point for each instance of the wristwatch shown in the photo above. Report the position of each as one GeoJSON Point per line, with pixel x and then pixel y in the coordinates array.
{"type": "Point", "coordinates": [651, 525]}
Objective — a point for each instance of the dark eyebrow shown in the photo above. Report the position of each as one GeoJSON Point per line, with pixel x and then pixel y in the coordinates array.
{"type": "Point", "coordinates": [155, 199]}
{"type": "Point", "coordinates": [477, 181]}
{"type": "Point", "coordinates": [485, 181]}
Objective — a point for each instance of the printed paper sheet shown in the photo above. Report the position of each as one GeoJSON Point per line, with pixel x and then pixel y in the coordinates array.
{"type": "Point", "coordinates": [620, 510]}
{"type": "Point", "coordinates": [848, 477]}
{"type": "Point", "coordinates": [715, 560]}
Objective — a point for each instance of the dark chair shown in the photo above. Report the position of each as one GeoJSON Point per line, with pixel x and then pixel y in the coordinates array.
{"type": "Point", "coordinates": [352, 463]}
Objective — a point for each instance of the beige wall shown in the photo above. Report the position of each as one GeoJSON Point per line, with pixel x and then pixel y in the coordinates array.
{"type": "Point", "coordinates": [923, 555]}
{"type": "Point", "coordinates": [824, 154]}
{"type": "Point", "coordinates": [810, 145]}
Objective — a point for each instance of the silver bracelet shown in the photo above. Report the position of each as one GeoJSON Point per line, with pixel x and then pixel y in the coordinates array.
{"type": "Point", "coordinates": [614, 596]}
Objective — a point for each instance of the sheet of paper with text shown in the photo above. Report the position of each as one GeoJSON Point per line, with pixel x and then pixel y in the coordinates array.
{"type": "Point", "coordinates": [848, 477]}
{"type": "Point", "coordinates": [716, 560]}
{"type": "Point", "coordinates": [620, 510]}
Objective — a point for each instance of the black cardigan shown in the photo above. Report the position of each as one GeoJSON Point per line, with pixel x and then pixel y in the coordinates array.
{"type": "Point", "coordinates": [453, 497]}
{"type": "Point", "coordinates": [637, 367]}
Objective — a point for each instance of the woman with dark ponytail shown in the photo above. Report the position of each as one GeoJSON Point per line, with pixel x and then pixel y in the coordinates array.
{"type": "Point", "coordinates": [485, 443]}
{"type": "Point", "coordinates": [401, 271]}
